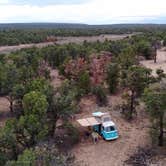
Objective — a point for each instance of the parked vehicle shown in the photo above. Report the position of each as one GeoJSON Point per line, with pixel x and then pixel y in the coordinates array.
{"type": "Point", "coordinates": [102, 124]}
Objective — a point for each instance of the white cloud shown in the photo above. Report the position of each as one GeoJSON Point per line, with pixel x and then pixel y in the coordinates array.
{"type": "Point", "coordinates": [95, 11]}
{"type": "Point", "coordinates": [4, 2]}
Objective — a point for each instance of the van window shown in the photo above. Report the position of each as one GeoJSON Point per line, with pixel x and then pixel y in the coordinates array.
{"type": "Point", "coordinates": [109, 128]}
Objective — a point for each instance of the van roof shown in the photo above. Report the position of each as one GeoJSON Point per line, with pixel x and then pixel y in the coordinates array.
{"type": "Point", "coordinates": [99, 114]}
{"type": "Point", "coordinates": [109, 123]}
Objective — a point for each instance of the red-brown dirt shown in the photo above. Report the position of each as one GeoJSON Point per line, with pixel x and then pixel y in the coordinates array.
{"type": "Point", "coordinates": [4, 111]}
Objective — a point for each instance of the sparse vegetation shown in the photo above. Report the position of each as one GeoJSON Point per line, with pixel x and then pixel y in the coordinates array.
{"type": "Point", "coordinates": [99, 69]}
{"type": "Point", "coordinates": [100, 93]}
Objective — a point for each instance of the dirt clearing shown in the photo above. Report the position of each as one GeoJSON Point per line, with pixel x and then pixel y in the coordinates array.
{"type": "Point", "coordinates": [161, 61]}
{"type": "Point", "coordinates": [64, 40]}
{"type": "Point", "coordinates": [112, 153]}
{"type": "Point", "coordinates": [108, 153]}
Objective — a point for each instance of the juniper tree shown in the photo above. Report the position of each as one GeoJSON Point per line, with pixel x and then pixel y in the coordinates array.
{"type": "Point", "coordinates": [136, 80]}
{"type": "Point", "coordinates": [155, 100]}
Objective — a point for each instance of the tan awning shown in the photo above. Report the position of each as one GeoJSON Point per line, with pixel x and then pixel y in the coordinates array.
{"type": "Point", "coordinates": [88, 122]}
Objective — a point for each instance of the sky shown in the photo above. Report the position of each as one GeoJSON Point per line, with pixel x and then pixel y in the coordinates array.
{"type": "Point", "coordinates": [83, 11]}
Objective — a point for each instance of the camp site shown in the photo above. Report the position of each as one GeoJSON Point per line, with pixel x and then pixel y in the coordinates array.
{"type": "Point", "coordinates": [82, 83]}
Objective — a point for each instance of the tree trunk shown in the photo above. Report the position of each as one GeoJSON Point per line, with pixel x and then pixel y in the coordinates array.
{"type": "Point", "coordinates": [54, 120]}
{"type": "Point", "coordinates": [32, 139]}
{"type": "Point", "coordinates": [15, 152]}
{"type": "Point", "coordinates": [131, 105]}
{"type": "Point", "coordinates": [155, 56]}
{"type": "Point", "coordinates": [161, 139]}
{"type": "Point", "coordinates": [11, 106]}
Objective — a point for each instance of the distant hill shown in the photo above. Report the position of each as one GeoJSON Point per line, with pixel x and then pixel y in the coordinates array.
{"type": "Point", "coordinates": [76, 26]}
{"type": "Point", "coordinates": [42, 26]}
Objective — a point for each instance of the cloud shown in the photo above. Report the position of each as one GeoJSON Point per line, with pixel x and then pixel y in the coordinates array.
{"type": "Point", "coordinates": [46, 2]}
{"type": "Point", "coordinates": [92, 12]}
{"type": "Point", "coordinates": [4, 2]}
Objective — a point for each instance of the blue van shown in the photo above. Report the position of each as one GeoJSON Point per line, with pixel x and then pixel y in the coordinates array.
{"type": "Point", "coordinates": [107, 130]}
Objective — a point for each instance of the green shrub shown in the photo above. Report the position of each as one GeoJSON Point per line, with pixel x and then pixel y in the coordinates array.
{"type": "Point", "coordinates": [72, 133]}
{"type": "Point", "coordinates": [100, 93]}
{"type": "Point", "coordinates": [66, 136]}
{"type": "Point", "coordinates": [26, 159]}
{"type": "Point", "coordinates": [45, 155]}
{"type": "Point", "coordinates": [113, 77]}
{"type": "Point", "coordinates": [84, 82]}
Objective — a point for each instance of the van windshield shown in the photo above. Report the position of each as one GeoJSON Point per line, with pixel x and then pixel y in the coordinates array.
{"type": "Point", "coordinates": [109, 128]}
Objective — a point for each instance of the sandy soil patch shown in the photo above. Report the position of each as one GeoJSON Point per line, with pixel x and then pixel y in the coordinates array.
{"type": "Point", "coordinates": [81, 39]}
{"type": "Point", "coordinates": [56, 79]}
{"type": "Point", "coordinates": [161, 62]}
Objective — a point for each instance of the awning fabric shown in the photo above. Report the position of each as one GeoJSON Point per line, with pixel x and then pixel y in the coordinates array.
{"type": "Point", "coordinates": [88, 122]}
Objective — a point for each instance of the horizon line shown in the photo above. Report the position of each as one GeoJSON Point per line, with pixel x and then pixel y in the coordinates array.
{"type": "Point", "coordinates": [148, 23]}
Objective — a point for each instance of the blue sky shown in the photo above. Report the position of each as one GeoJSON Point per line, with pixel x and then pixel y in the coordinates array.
{"type": "Point", "coordinates": [83, 11]}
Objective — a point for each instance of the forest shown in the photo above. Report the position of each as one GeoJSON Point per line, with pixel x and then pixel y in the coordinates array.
{"type": "Point", "coordinates": [100, 69]}
{"type": "Point", "coordinates": [15, 34]}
